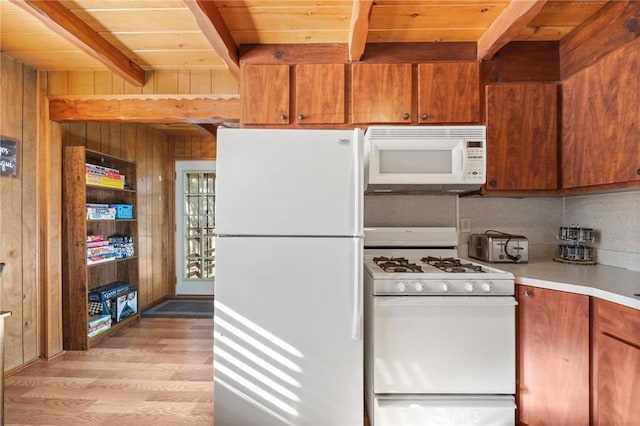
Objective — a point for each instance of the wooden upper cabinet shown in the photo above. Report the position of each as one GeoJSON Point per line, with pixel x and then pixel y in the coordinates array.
{"type": "Point", "coordinates": [449, 92]}
{"type": "Point", "coordinates": [381, 93]}
{"type": "Point", "coordinates": [522, 128]}
{"type": "Point", "coordinates": [319, 93]}
{"type": "Point", "coordinates": [600, 131]}
{"type": "Point", "coordinates": [264, 94]}
{"type": "Point", "coordinates": [553, 357]}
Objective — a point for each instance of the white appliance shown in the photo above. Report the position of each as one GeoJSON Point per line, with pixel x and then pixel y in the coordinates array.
{"type": "Point", "coordinates": [439, 332]}
{"type": "Point", "coordinates": [425, 158]}
{"type": "Point", "coordinates": [288, 348]}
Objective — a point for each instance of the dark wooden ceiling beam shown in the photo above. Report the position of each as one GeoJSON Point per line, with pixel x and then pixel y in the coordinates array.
{"type": "Point", "coordinates": [616, 24]}
{"type": "Point", "coordinates": [216, 31]}
{"type": "Point", "coordinates": [359, 28]}
{"type": "Point", "coordinates": [507, 25]}
{"type": "Point", "coordinates": [146, 109]}
{"type": "Point", "coordinates": [67, 25]}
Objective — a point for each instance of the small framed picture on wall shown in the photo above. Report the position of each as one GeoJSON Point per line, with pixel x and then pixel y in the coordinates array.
{"type": "Point", "coordinates": [8, 157]}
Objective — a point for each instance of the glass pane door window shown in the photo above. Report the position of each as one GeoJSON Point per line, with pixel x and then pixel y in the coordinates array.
{"type": "Point", "coordinates": [195, 227]}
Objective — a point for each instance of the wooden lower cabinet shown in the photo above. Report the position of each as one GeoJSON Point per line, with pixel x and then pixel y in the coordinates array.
{"type": "Point", "coordinates": [552, 357]}
{"type": "Point", "coordinates": [617, 365]}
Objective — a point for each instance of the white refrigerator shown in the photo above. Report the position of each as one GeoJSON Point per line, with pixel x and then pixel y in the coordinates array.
{"type": "Point", "coordinates": [288, 306]}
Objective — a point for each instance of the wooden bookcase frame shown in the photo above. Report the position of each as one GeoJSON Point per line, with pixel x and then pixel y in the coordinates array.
{"type": "Point", "coordinates": [78, 277]}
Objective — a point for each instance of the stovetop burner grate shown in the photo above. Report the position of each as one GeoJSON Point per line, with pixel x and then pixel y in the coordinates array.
{"type": "Point", "coordinates": [450, 264]}
{"type": "Point", "coordinates": [396, 264]}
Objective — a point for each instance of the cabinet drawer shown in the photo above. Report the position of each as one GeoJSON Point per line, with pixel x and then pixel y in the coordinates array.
{"type": "Point", "coordinates": [619, 321]}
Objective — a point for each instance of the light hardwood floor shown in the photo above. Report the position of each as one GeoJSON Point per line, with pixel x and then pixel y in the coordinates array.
{"type": "Point", "coordinates": [156, 372]}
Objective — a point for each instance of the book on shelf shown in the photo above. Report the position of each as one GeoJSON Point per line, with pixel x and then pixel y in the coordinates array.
{"type": "Point", "coordinates": [100, 259]}
{"type": "Point", "coordinates": [96, 237]}
{"type": "Point", "coordinates": [99, 329]}
{"type": "Point", "coordinates": [104, 181]}
{"type": "Point", "coordinates": [99, 319]}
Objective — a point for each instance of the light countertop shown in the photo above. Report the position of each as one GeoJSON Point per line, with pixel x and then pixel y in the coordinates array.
{"type": "Point", "coordinates": [616, 285]}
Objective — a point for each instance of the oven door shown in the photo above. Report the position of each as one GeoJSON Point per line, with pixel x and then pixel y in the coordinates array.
{"type": "Point", "coordinates": [443, 345]}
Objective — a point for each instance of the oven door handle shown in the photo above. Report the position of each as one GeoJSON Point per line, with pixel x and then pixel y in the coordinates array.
{"type": "Point", "coordinates": [445, 301]}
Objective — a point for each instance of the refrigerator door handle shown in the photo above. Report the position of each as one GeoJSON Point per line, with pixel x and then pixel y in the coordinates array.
{"type": "Point", "coordinates": [358, 139]}
{"type": "Point", "coordinates": [356, 326]}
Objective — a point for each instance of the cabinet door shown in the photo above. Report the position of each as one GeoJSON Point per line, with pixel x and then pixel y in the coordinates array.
{"type": "Point", "coordinates": [522, 146]}
{"type": "Point", "coordinates": [617, 386]}
{"type": "Point", "coordinates": [600, 110]}
{"type": "Point", "coordinates": [449, 92]}
{"type": "Point", "coordinates": [553, 357]}
{"type": "Point", "coordinates": [319, 93]}
{"type": "Point", "coordinates": [264, 91]}
{"type": "Point", "coordinates": [381, 93]}
{"type": "Point", "coordinates": [617, 355]}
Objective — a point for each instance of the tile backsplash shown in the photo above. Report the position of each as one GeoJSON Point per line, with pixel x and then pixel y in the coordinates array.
{"type": "Point", "coordinates": [409, 210]}
{"type": "Point", "coordinates": [535, 218]}
{"type": "Point", "coordinates": [615, 218]}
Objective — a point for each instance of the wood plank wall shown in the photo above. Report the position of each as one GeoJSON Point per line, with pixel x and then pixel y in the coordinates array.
{"type": "Point", "coordinates": [30, 221]}
{"type": "Point", "coordinates": [194, 82]}
{"type": "Point", "coordinates": [18, 214]}
{"type": "Point", "coordinates": [152, 151]}
{"type": "Point", "coordinates": [112, 138]}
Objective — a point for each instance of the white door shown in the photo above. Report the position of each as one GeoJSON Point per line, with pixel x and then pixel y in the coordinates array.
{"type": "Point", "coordinates": [285, 351]}
{"type": "Point", "coordinates": [289, 182]}
{"type": "Point", "coordinates": [195, 227]}
{"type": "Point", "coordinates": [444, 345]}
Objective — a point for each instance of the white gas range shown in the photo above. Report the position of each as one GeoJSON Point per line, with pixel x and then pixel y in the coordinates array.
{"type": "Point", "coordinates": [439, 332]}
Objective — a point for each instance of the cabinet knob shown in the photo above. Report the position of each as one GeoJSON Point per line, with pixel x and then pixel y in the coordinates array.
{"type": "Point", "coordinates": [283, 116]}
{"type": "Point", "coordinates": [527, 293]}
{"type": "Point", "coordinates": [406, 116]}
{"type": "Point", "coordinates": [638, 171]}
{"type": "Point", "coordinates": [425, 116]}
{"type": "Point", "coordinates": [493, 183]}
{"type": "Point", "coordinates": [300, 116]}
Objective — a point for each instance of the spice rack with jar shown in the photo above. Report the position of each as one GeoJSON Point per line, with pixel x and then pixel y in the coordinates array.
{"type": "Point", "coordinates": [576, 246]}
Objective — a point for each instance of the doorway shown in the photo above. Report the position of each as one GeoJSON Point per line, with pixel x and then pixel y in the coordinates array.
{"type": "Point", "coordinates": [195, 227]}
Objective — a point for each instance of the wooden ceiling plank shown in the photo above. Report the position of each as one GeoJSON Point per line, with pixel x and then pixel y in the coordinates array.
{"type": "Point", "coordinates": [216, 31]}
{"type": "Point", "coordinates": [359, 28]}
{"type": "Point", "coordinates": [507, 26]}
{"type": "Point", "coordinates": [64, 23]}
{"type": "Point", "coordinates": [145, 109]}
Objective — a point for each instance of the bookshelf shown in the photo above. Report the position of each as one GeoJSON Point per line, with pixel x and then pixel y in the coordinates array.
{"type": "Point", "coordinates": [80, 275]}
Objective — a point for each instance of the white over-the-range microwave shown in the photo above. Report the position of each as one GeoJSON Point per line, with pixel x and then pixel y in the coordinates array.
{"type": "Point", "coordinates": [446, 159]}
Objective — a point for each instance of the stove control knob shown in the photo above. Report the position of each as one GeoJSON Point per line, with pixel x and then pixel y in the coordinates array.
{"type": "Point", "coordinates": [418, 286]}
{"type": "Point", "coordinates": [468, 286]}
{"type": "Point", "coordinates": [444, 286]}
{"type": "Point", "coordinates": [402, 286]}
{"type": "Point", "coordinates": [486, 286]}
